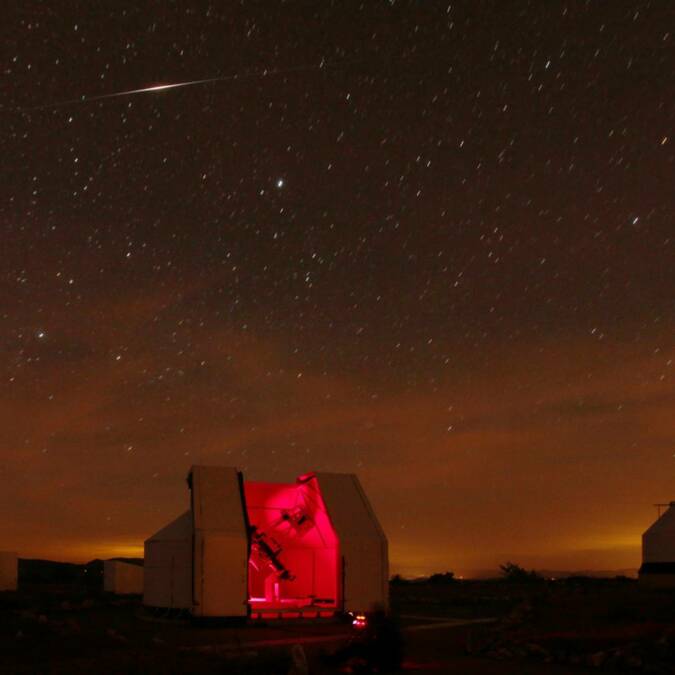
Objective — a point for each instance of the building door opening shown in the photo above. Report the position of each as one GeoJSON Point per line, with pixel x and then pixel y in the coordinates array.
{"type": "Point", "coordinates": [293, 565]}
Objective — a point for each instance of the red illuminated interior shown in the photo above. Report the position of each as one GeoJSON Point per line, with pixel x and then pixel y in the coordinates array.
{"type": "Point", "coordinates": [293, 561]}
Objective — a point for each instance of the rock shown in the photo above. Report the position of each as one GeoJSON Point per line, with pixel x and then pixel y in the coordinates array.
{"type": "Point", "coordinates": [613, 660]}
{"type": "Point", "coordinates": [72, 626]}
{"type": "Point", "coordinates": [596, 660]}
{"type": "Point", "coordinates": [561, 656]}
{"type": "Point", "coordinates": [634, 662]}
{"type": "Point", "coordinates": [114, 635]}
{"type": "Point", "coordinates": [536, 650]}
{"type": "Point", "coordinates": [65, 605]}
{"type": "Point", "coordinates": [662, 648]}
{"type": "Point", "coordinates": [42, 619]}
{"type": "Point", "coordinates": [299, 661]}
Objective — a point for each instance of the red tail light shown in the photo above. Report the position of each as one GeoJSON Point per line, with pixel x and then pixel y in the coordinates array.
{"type": "Point", "coordinates": [359, 622]}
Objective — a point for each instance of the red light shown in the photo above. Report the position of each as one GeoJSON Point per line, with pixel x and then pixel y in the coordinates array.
{"type": "Point", "coordinates": [359, 621]}
{"type": "Point", "coordinates": [294, 557]}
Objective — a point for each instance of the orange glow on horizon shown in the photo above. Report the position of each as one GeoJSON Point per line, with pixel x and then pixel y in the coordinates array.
{"type": "Point", "coordinates": [532, 477]}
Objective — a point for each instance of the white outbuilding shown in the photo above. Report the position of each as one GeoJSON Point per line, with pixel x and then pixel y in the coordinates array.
{"type": "Point", "coordinates": [312, 548]}
{"type": "Point", "coordinates": [9, 570]}
{"type": "Point", "coordinates": [122, 578]}
{"type": "Point", "coordinates": [658, 551]}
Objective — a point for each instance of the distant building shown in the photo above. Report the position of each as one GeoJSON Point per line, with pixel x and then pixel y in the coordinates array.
{"type": "Point", "coordinates": [122, 578]}
{"type": "Point", "coordinates": [658, 552]}
{"type": "Point", "coordinates": [9, 565]}
{"type": "Point", "coordinates": [312, 548]}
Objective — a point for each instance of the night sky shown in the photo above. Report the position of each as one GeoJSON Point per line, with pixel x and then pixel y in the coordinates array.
{"type": "Point", "coordinates": [429, 243]}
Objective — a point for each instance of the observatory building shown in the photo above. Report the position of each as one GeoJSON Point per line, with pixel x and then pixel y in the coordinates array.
{"type": "Point", "coordinates": [658, 551]}
{"type": "Point", "coordinates": [312, 548]}
{"type": "Point", "coordinates": [122, 578]}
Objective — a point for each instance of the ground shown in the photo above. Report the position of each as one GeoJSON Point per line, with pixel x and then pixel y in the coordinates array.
{"type": "Point", "coordinates": [464, 627]}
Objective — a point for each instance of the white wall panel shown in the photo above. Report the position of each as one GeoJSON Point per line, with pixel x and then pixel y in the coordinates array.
{"type": "Point", "coordinates": [363, 545]}
{"type": "Point", "coordinates": [221, 542]}
{"type": "Point", "coordinates": [122, 578]}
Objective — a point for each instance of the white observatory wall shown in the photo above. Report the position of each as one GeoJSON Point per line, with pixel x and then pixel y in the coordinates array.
{"type": "Point", "coordinates": [9, 570]}
{"type": "Point", "coordinates": [122, 578]}
{"type": "Point", "coordinates": [658, 542]}
{"type": "Point", "coordinates": [221, 542]}
{"type": "Point", "coordinates": [362, 542]}
{"type": "Point", "coordinates": [167, 577]}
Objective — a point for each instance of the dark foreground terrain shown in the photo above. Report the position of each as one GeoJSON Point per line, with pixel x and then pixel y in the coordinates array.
{"type": "Point", "coordinates": [571, 626]}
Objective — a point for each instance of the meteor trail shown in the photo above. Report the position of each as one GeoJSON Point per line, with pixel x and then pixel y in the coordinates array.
{"type": "Point", "coordinates": [128, 92]}
{"type": "Point", "coordinates": [191, 83]}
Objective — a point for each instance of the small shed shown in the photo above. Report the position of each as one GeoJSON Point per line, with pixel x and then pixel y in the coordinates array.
{"type": "Point", "coordinates": [312, 548]}
{"type": "Point", "coordinates": [9, 566]}
{"type": "Point", "coordinates": [122, 578]}
{"type": "Point", "coordinates": [658, 552]}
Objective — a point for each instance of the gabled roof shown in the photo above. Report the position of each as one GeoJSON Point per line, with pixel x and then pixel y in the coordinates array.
{"type": "Point", "coordinates": [177, 530]}
{"type": "Point", "coordinates": [664, 524]}
{"type": "Point", "coordinates": [348, 507]}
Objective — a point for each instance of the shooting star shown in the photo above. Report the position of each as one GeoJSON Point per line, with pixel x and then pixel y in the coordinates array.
{"type": "Point", "coordinates": [159, 87]}
{"type": "Point", "coordinates": [177, 85]}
